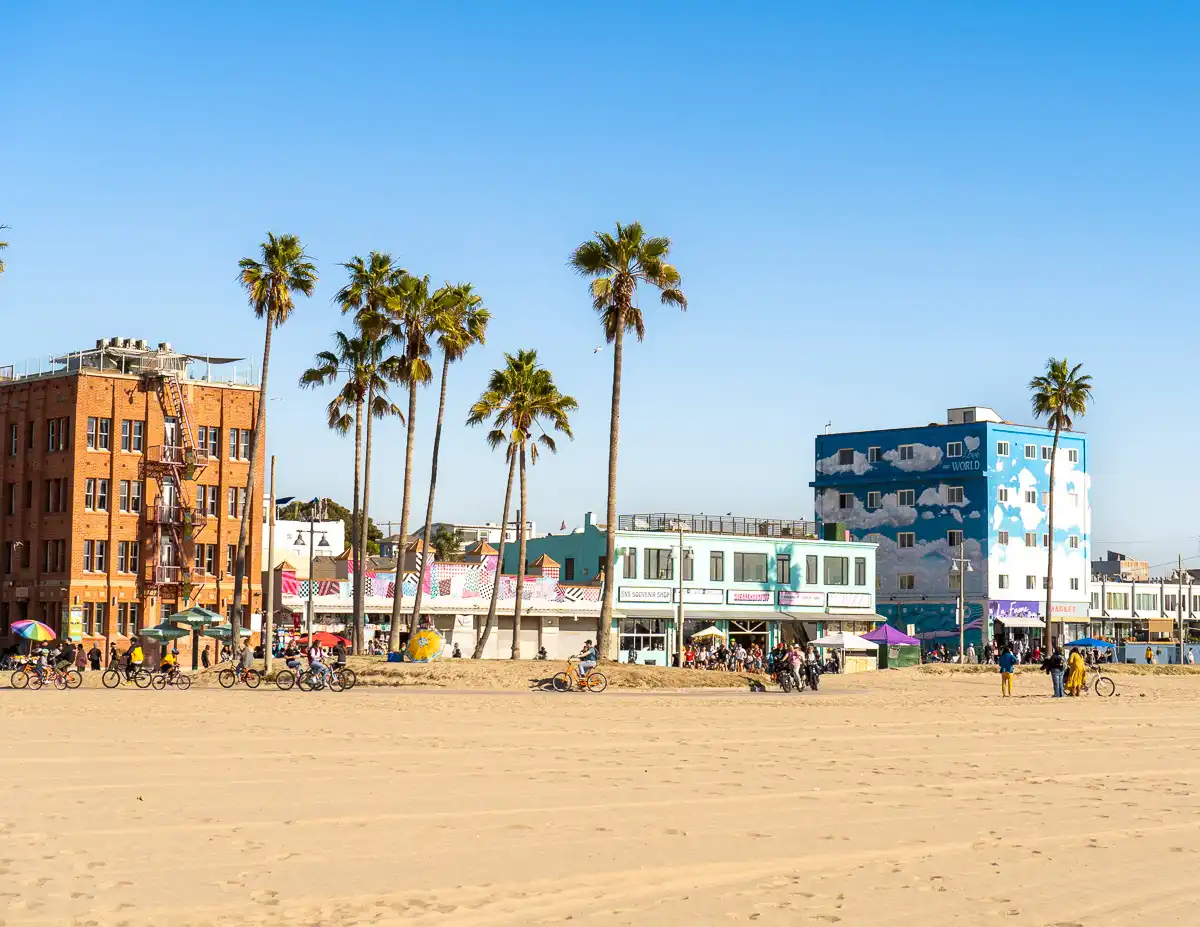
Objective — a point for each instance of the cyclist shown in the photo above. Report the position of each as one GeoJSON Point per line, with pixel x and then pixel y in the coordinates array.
{"type": "Point", "coordinates": [316, 656]}
{"type": "Point", "coordinates": [246, 661]}
{"type": "Point", "coordinates": [339, 655]}
{"type": "Point", "coordinates": [134, 658]}
{"type": "Point", "coordinates": [291, 657]}
{"type": "Point", "coordinates": [41, 663]}
{"type": "Point", "coordinates": [587, 659]}
{"type": "Point", "coordinates": [169, 663]}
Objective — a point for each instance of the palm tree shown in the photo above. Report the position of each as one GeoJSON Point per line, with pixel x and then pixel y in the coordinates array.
{"type": "Point", "coordinates": [1059, 394]}
{"type": "Point", "coordinates": [520, 398]}
{"type": "Point", "coordinates": [269, 283]}
{"type": "Point", "coordinates": [617, 265]}
{"type": "Point", "coordinates": [372, 283]}
{"type": "Point", "coordinates": [410, 308]}
{"type": "Point", "coordinates": [459, 320]}
{"type": "Point", "coordinates": [354, 360]}
{"type": "Point", "coordinates": [3, 245]}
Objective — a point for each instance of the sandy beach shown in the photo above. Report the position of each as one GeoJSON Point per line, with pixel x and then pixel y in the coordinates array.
{"type": "Point", "coordinates": [894, 798]}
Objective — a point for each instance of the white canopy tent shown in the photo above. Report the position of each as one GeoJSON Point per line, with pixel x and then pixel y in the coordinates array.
{"type": "Point", "coordinates": [843, 640]}
{"type": "Point", "coordinates": [709, 632]}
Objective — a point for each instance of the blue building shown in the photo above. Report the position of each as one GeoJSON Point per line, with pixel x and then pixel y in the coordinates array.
{"type": "Point", "coordinates": [978, 485]}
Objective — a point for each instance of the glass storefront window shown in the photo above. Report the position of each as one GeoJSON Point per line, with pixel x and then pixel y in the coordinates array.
{"type": "Point", "coordinates": [643, 634]}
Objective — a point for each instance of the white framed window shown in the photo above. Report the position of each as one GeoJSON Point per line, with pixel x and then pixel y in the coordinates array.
{"type": "Point", "coordinates": [954, 449]}
{"type": "Point", "coordinates": [907, 497]}
{"type": "Point", "coordinates": [89, 494]}
{"type": "Point", "coordinates": [1002, 581]}
{"type": "Point", "coordinates": [1031, 497]}
{"type": "Point", "coordinates": [906, 451]}
{"type": "Point", "coordinates": [1047, 451]}
{"type": "Point", "coordinates": [1030, 582]}
{"type": "Point", "coordinates": [908, 582]}
{"type": "Point", "coordinates": [872, 454]}
{"type": "Point", "coordinates": [846, 457]}
{"type": "Point", "coordinates": [139, 437]}
{"type": "Point", "coordinates": [88, 556]}
{"type": "Point", "coordinates": [874, 500]}
{"type": "Point", "coordinates": [1073, 542]}
{"type": "Point", "coordinates": [845, 500]}
{"type": "Point", "coordinates": [1045, 540]}
{"type": "Point", "coordinates": [1095, 600]}
{"type": "Point", "coordinates": [1045, 582]}
{"type": "Point", "coordinates": [1073, 454]}
{"type": "Point", "coordinates": [245, 444]}
{"type": "Point", "coordinates": [1002, 449]}
{"type": "Point", "coordinates": [954, 537]}
{"type": "Point", "coordinates": [1030, 539]}
{"type": "Point", "coordinates": [1074, 583]}
{"type": "Point", "coordinates": [1002, 494]}
{"type": "Point", "coordinates": [1030, 451]}
{"type": "Point", "coordinates": [954, 495]}
{"type": "Point", "coordinates": [1045, 498]}
{"type": "Point", "coordinates": [102, 495]}
{"type": "Point", "coordinates": [135, 495]}
{"type": "Point", "coordinates": [1001, 537]}
{"type": "Point", "coordinates": [905, 539]}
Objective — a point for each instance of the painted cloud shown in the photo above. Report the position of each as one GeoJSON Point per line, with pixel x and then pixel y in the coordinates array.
{"type": "Point", "coordinates": [830, 465]}
{"type": "Point", "coordinates": [924, 458]}
{"type": "Point", "coordinates": [859, 516]}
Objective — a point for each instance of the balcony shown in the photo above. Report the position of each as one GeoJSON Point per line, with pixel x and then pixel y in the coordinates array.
{"type": "Point", "coordinates": [719, 524]}
{"type": "Point", "coordinates": [163, 514]}
{"type": "Point", "coordinates": [166, 575]}
{"type": "Point", "coordinates": [166, 454]}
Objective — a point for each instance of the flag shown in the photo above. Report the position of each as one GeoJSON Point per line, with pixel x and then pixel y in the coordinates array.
{"type": "Point", "coordinates": [563, 527]}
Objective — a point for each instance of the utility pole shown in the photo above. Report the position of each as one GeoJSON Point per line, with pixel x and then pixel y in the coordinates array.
{"type": "Point", "coordinates": [1179, 607]}
{"type": "Point", "coordinates": [269, 597]}
{"type": "Point", "coordinates": [961, 565]}
{"type": "Point", "coordinates": [681, 556]}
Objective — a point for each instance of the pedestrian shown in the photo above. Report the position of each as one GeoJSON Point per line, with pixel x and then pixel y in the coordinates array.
{"type": "Point", "coordinates": [95, 656]}
{"type": "Point", "coordinates": [1076, 672]}
{"type": "Point", "coordinates": [1008, 664]}
{"type": "Point", "coordinates": [81, 658]}
{"type": "Point", "coordinates": [112, 655]}
{"type": "Point", "coordinates": [1191, 658]}
{"type": "Point", "coordinates": [1056, 666]}
{"type": "Point", "coordinates": [1149, 655]}
{"type": "Point", "coordinates": [204, 659]}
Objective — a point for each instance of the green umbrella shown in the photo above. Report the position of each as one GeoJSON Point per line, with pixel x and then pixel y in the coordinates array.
{"type": "Point", "coordinates": [222, 632]}
{"type": "Point", "coordinates": [164, 632]}
{"type": "Point", "coordinates": [196, 617]}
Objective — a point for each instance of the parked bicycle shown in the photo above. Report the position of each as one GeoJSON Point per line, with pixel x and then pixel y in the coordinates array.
{"type": "Point", "coordinates": [1098, 683]}
{"type": "Point", "coordinates": [228, 678]}
{"type": "Point", "coordinates": [594, 681]}
{"type": "Point", "coordinates": [116, 676]}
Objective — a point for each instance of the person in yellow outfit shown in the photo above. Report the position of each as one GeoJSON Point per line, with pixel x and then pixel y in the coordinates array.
{"type": "Point", "coordinates": [1076, 672]}
{"type": "Point", "coordinates": [135, 658]}
{"type": "Point", "coordinates": [167, 663]}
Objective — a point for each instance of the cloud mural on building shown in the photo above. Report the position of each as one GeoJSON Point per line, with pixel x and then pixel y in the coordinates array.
{"type": "Point", "coordinates": [830, 464]}
{"type": "Point", "coordinates": [925, 457]}
{"type": "Point", "coordinates": [859, 517]}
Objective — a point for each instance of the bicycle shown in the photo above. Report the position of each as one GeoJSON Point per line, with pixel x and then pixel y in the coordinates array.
{"type": "Point", "coordinates": [172, 677]}
{"type": "Point", "coordinates": [116, 676]}
{"type": "Point", "coordinates": [228, 678]}
{"type": "Point", "coordinates": [594, 681]}
{"type": "Point", "coordinates": [286, 678]}
{"type": "Point", "coordinates": [313, 681]}
{"type": "Point", "coordinates": [60, 679]}
{"type": "Point", "coordinates": [1098, 683]}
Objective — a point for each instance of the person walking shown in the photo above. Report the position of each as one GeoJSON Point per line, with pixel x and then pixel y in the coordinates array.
{"type": "Point", "coordinates": [81, 658]}
{"type": "Point", "coordinates": [1008, 664]}
{"type": "Point", "coordinates": [1076, 672]}
{"type": "Point", "coordinates": [113, 656]}
{"type": "Point", "coordinates": [1056, 666]}
{"type": "Point", "coordinates": [972, 658]}
{"type": "Point", "coordinates": [1150, 661]}
{"type": "Point", "coordinates": [96, 657]}
{"type": "Point", "coordinates": [204, 658]}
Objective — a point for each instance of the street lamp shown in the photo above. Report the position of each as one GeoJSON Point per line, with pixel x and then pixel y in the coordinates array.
{"type": "Point", "coordinates": [312, 551]}
{"type": "Point", "coordinates": [679, 526]}
{"type": "Point", "coordinates": [959, 566]}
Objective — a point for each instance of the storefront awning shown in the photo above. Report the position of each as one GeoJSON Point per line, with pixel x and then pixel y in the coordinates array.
{"type": "Point", "coordinates": [1021, 621]}
{"type": "Point", "coordinates": [729, 614]}
{"type": "Point", "coordinates": [627, 612]}
{"type": "Point", "coordinates": [849, 616]}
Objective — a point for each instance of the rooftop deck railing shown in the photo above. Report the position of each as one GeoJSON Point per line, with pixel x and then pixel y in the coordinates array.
{"type": "Point", "coordinates": [720, 524]}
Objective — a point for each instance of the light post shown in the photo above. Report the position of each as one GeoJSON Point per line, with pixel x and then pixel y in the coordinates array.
{"type": "Point", "coordinates": [312, 550]}
{"type": "Point", "coordinates": [960, 566]}
{"type": "Point", "coordinates": [679, 525]}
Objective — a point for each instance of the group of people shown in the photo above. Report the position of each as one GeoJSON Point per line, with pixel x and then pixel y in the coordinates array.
{"type": "Point", "coordinates": [736, 658]}
{"type": "Point", "coordinates": [1067, 672]}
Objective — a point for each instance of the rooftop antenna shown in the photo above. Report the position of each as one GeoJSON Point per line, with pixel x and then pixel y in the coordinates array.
{"type": "Point", "coordinates": [828, 425]}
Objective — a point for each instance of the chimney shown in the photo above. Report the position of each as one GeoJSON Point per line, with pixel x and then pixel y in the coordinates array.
{"type": "Point", "coordinates": [589, 519]}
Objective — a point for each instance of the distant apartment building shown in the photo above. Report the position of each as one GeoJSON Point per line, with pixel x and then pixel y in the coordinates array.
{"type": "Point", "coordinates": [976, 487]}
{"type": "Point", "coordinates": [1119, 567]}
{"type": "Point", "coordinates": [122, 480]}
{"type": "Point", "coordinates": [470, 534]}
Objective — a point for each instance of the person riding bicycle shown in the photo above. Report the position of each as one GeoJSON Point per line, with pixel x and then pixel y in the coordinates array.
{"type": "Point", "coordinates": [339, 655]}
{"type": "Point", "coordinates": [169, 663]}
{"type": "Point", "coordinates": [587, 659]}
{"type": "Point", "coordinates": [316, 656]}
{"type": "Point", "coordinates": [291, 656]}
{"type": "Point", "coordinates": [41, 663]}
{"type": "Point", "coordinates": [246, 660]}
{"type": "Point", "coordinates": [134, 658]}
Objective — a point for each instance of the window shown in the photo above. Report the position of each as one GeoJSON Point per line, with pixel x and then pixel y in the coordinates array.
{"type": "Point", "coordinates": [139, 443]}
{"type": "Point", "coordinates": [237, 502]}
{"type": "Point", "coordinates": [906, 452]}
{"type": "Point", "coordinates": [783, 569]}
{"type": "Point", "coordinates": [1031, 497]}
{"type": "Point", "coordinates": [88, 556]}
{"type": "Point", "coordinates": [905, 539]}
{"type": "Point", "coordinates": [1002, 494]}
{"type": "Point", "coordinates": [57, 430]}
{"type": "Point", "coordinates": [89, 494]}
{"type": "Point", "coordinates": [135, 556]}
{"type": "Point", "coordinates": [12, 498]}
{"type": "Point", "coordinates": [1002, 581]}
{"type": "Point", "coordinates": [101, 495]}
{"type": "Point", "coordinates": [122, 556]}
{"type": "Point", "coordinates": [568, 563]}
{"type": "Point", "coordinates": [811, 576]}
{"type": "Point", "coordinates": [1030, 451]}
{"type": "Point", "coordinates": [29, 494]}
{"type": "Point", "coordinates": [1045, 540]}
{"type": "Point", "coordinates": [135, 495]}
{"type": "Point", "coordinates": [233, 443]}
{"type": "Point", "coordinates": [1118, 601]}
{"type": "Point", "coordinates": [1145, 601]}
{"type": "Point", "coordinates": [874, 500]}
{"type": "Point", "coordinates": [1030, 582]}
{"type": "Point", "coordinates": [1073, 455]}
{"type": "Point", "coordinates": [134, 618]}
{"type": "Point", "coordinates": [123, 498]}
{"type": "Point", "coordinates": [99, 434]}
{"type": "Point", "coordinates": [716, 566]}
{"type": "Point", "coordinates": [1046, 452]}
{"type": "Point", "coordinates": [214, 441]}
{"type": "Point", "coordinates": [1045, 582]}
{"type": "Point", "coordinates": [126, 436]}
{"type": "Point", "coordinates": [1074, 497]}
{"type": "Point", "coordinates": [908, 582]}
{"type": "Point", "coordinates": [638, 634]}
{"type": "Point", "coordinates": [845, 500]}
{"type": "Point", "coordinates": [102, 556]}
{"type": "Point", "coordinates": [860, 571]}
{"type": "Point", "coordinates": [1002, 449]}
{"type": "Point", "coordinates": [210, 558]}
{"type": "Point", "coordinates": [954, 495]}
{"type": "Point", "coordinates": [1030, 539]}
{"type": "Point", "coordinates": [628, 562]}
{"type": "Point", "coordinates": [837, 571]}
{"type": "Point", "coordinates": [954, 449]}
{"type": "Point", "coordinates": [954, 537]}
{"type": "Point", "coordinates": [199, 562]}
{"type": "Point", "coordinates": [1095, 600]}
{"type": "Point", "coordinates": [907, 497]}
{"type": "Point", "coordinates": [1045, 498]}
{"type": "Point", "coordinates": [689, 566]}
{"type": "Point", "coordinates": [872, 455]}
{"type": "Point", "coordinates": [230, 552]}
{"type": "Point", "coordinates": [245, 444]}
{"type": "Point", "coordinates": [122, 616]}
{"type": "Point", "coordinates": [14, 440]}
{"type": "Point", "coordinates": [1074, 583]}
{"type": "Point", "coordinates": [29, 429]}
{"type": "Point", "coordinates": [749, 568]}
{"type": "Point", "coordinates": [98, 616]}
{"type": "Point", "coordinates": [1001, 537]}
{"type": "Point", "coordinates": [1073, 542]}
{"type": "Point", "coordinates": [659, 564]}
{"type": "Point", "coordinates": [846, 457]}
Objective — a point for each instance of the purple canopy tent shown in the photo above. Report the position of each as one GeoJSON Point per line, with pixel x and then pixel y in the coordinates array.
{"type": "Point", "coordinates": [886, 634]}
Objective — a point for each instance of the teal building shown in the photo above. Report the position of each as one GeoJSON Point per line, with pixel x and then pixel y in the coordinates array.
{"type": "Point", "coordinates": [758, 580]}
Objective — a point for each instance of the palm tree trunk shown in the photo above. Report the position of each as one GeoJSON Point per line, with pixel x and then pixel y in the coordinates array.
{"type": "Point", "coordinates": [491, 615]}
{"type": "Point", "coordinates": [356, 526]}
{"type": "Point", "coordinates": [604, 631]}
{"type": "Point", "coordinates": [1048, 633]}
{"type": "Point", "coordinates": [365, 525]}
{"type": "Point", "coordinates": [256, 440]}
{"type": "Point", "coordinates": [394, 635]}
{"type": "Point", "coordinates": [521, 540]}
{"type": "Point", "coordinates": [433, 470]}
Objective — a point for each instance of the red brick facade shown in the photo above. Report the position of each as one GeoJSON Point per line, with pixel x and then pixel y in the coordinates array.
{"type": "Point", "coordinates": [69, 519]}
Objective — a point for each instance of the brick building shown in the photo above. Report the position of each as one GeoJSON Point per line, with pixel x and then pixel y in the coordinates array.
{"type": "Point", "coordinates": [122, 476]}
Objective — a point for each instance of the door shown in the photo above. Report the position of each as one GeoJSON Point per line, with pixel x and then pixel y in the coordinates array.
{"type": "Point", "coordinates": [171, 431]}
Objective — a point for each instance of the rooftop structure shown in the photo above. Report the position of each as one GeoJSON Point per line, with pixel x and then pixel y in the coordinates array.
{"type": "Point", "coordinates": [719, 524]}
{"type": "Point", "coordinates": [135, 357]}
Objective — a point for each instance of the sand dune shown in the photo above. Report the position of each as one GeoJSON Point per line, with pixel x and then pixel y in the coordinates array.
{"type": "Point", "coordinates": [893, 798]}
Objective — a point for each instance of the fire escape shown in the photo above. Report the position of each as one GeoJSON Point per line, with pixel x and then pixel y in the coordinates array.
{"type": "Point", "coordinates": [173, 515]}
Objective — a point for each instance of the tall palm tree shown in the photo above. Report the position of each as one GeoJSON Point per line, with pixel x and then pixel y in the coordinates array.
{"type": "Point", "coordinates": [521, 399]}
{"type": "Point", "coordinates": [1059, 394]}
{"type": "Point", "coordinates": [617, 264]}
{"type": "Point", "coordinates": [353, 362]}
{"type": "Point", "coordinates": [372, 283]}
{"type": "Point", "coordinates": [283, 269]}
{"type": "Point", "coordinates": [459, 321]}
{"type": "Point", "coordinates": [410, 308]}
{"type": "Point", "coordinates": [3, 245]}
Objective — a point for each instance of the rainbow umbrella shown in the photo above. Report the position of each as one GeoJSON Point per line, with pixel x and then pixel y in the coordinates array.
{"type": "Point", "coordinates": [33, 630]}
{"type": "Point", "coordinates": [425, 645]}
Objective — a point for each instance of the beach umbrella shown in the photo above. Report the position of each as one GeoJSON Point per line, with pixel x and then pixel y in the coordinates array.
{"type": "Point", "coordinates": [1091, 642]}
{"type": "Point", "coordinates": [196, 617]}
{"type": "Point", "coordinates": [425, 645]}
{"type": "Point", "coordinates": [222, 632]}
{"type": "Point", "coordinates": [164, 632]}
{"type": "Point", "coordinates": [33, 630]}
{"type": "Point", "coordinates": [325, 639]}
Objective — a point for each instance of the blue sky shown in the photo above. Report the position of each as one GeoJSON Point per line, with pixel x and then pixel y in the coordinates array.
{"type": "Point", "coordinates": [879, 210]}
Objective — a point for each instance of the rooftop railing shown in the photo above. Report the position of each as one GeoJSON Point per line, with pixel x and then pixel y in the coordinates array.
{"type": "Point", "coordinates": [720, 524]}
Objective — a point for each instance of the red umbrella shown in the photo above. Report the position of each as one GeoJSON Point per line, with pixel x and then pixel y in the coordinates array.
{"type": "Point", "coordinates": [325, 639]}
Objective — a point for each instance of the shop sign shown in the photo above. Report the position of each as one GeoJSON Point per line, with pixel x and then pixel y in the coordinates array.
{"type": "Point", "coordinates": [751, 597]}
{"type": "Point", "coordinates": [643, 594]}
{"type": "Point", "coordinates": [849, 600]}
{"type": "Point", "coordinates": [21, 592]}
{"type": "Point", "coordinates": [1009, 608]}
{"type": "Point", "coordinates": [75, 624]}
{"type": "Point", "coordinates": [698, 596]}
{"type": "Point", "coordinates": [811, 599]}
{"type": "Point", "coordinates": [1069, 609]}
